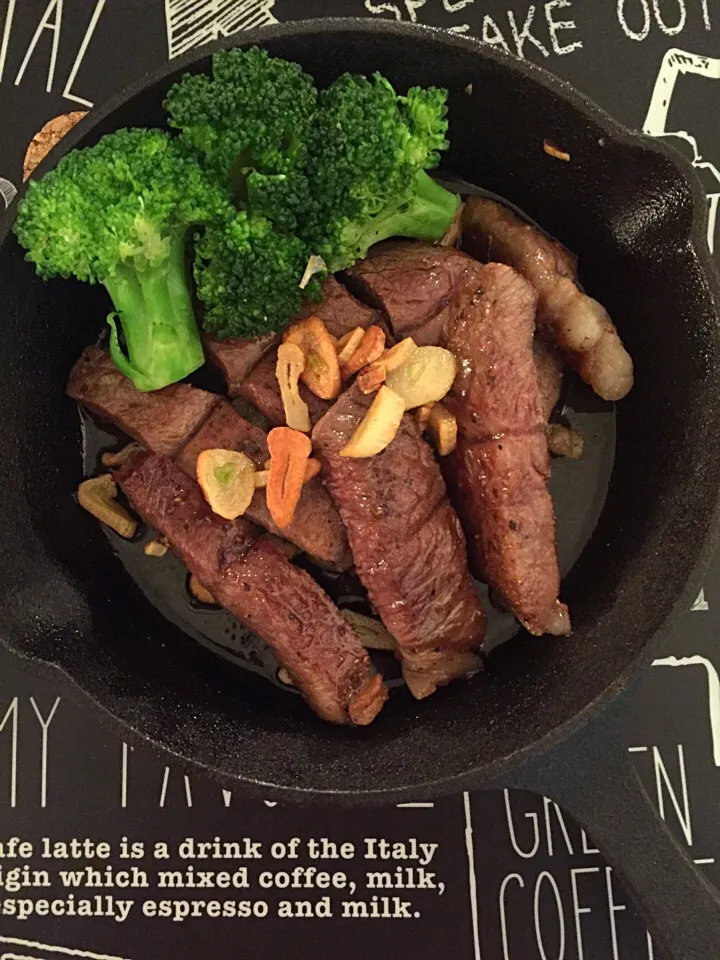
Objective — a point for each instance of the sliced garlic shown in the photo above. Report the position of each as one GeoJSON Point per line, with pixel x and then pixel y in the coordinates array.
{"type": "Point", "coordinates": [425, 378]}
{"type": "Point", "coordinates": [442, 427]}
{"type": "Point", "coordinates": [378, 427]}
{"type": "Point", "coordinates": [372, 633]}
{"type": "Point", "coordinates": [226, 478]}
{"type": "Point", "coordinates": [97, 496]}
{"type": "Point", "coordinates": [290, 364]}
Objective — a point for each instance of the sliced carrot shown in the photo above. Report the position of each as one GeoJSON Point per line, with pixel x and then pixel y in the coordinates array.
{"type": "Point", "coordinates": [371, 377]}
{"type": "Point", "coordinates": [288, 369]}
{"type": "Point", "coordinates": [347, 345]}
{"type": "Point", "coordinates": [322, 370]}
{"type": "Point", "coordinates": [371, 348]}
{"type": "Point", "coordinates": [312, 469]}
{"type": "Point", "coordinates": [289, 453]}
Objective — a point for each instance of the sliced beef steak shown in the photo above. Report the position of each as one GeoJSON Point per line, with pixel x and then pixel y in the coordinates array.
{"type": "Point", "coordinates": [339, 310]}
{"type": "Point", "coordinates": [249, 365]}
{"type": "Point", "coordinates": [162, 420]}
{"type": "Point", "coordinates": [261, 389]}
{"type": "Point", "coordinates": [419, 286]}
{"type": "Point", "coordinates": [257, 584]}
{"type": "Point", "coordinates": [317, 528]}
{"type": "Point", "coordinates": [182, 421]}
{"type": "Point", "coordinates": [500, 468]}
{"type": "Point", "coordinates": [578, 324]}
{"type": "Point", "coordinates": [236, 357]}
{"type": "Point", "coordinates": [408, 546]}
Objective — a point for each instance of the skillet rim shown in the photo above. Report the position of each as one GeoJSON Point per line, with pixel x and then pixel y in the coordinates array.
{"type": "Point", "coordinates": [695, 240]}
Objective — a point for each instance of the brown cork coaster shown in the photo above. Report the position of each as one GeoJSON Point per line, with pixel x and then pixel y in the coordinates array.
{"type": "Point", "coordinates": [45, 139]}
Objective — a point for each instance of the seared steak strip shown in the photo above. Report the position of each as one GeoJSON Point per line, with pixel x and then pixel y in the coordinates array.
{"type": "Point", "coordinates": [162, 420]}
{"type": "Point", "coordinates": [407, 543]}
{"type": "Point", "coordinates": [579, 325]}
{"type": "Point", "coordinates": [249, 365]}
{"type": "Point", "coordinates": [261, 389]}
{"type": "Point", "coordinates": [181, 420]}
{"type": "Point", "coordinates": [419, 286]}
{"type": "Point", "coordinates": [236, 356]}
{"type": "Point", "coordinates": [257, 584]}
{"type": "Point", "coordinates": [427, 293]}
{"type": "Point", "coordinates": [317, 528]}
{"type": "Point", "coordinates": [501, 466]}
{"type": "Point", "coordinates": [339, 310]}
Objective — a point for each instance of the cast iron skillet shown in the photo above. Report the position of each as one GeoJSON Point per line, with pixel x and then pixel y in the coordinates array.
{"type": "Point", "coordinates": [629, 208]}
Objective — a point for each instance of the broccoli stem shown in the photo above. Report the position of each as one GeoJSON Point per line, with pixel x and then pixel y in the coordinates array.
{"type": "Point", "coordinates": [154, 306]}
{"type": "Point", "coordinates": [425, 216]}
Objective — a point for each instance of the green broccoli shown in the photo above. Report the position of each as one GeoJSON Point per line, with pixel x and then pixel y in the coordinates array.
{"type": "Point", "coordinates": [249, 123]}
{"type": "Point", "coordinates": [368, 154]}
{"type": "Point", "coordinates": [118, 213]}
{"type": "Point", "coordinates": [247, 275]}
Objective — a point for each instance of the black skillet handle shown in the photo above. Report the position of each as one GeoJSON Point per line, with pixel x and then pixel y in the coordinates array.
{"type": "Point", "coordinates": [591, 776]}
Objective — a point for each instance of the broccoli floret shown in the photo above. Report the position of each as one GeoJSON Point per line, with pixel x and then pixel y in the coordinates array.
{"type": "Point", "coordinates": [247, 275]}
{"type": "Point", "coordinates": [368, 154]}
{"type": "Point", "coordinates": [118, 213]}
{"type": "Point", "coordinates": [249, 122]}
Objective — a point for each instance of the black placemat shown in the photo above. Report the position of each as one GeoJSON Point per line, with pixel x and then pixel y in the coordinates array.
{"type": "Point", "coordinates": [502, 876]}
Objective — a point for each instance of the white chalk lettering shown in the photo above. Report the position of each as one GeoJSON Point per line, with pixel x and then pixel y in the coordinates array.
{"type": "Point", "coordinates": [559, 913]}
{"type": "Point", "coordinates": [547, 804]}
{"type": "Point", "coordinates": [555, 26]}
{"type": "Point", "coordinates": [383, 8]}
{"type": "Point", "coordinates": [44, 724]}
{"type": "Point", "coordinates": [665, 27]}
{"type": "Point", "coordinates": [12, 716]}
{"type": "Point", "coordinates": [492, 35]}
{"type": "Point", "coordinates": [644, 30]}
{"type": "Point", "coordinates": [533, 818]}
{"type": "Point", "coordinates": [9, 16]}
{"type": "Point", "coordinates": [613, 909]}
{"type": "Point", "coordinates": [577, 909]}
{"type": "Point", "coordinates": [67, 92]}
{"type": "Point", "coordinates": [51, 21]}
{"type": "Point", "coordinates": [526, 34]}
{"type": "Point", "coordinates": [662, 777]}
{"type": "Point", "coordinates": [501, 902]}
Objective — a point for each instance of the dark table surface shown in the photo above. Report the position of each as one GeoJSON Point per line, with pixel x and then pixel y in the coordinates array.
{"type": "Point", "coordinates": [497, 875]}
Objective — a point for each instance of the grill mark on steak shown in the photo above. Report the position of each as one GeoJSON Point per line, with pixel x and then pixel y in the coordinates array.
{"type": "Point", "coordinates": [420, 287]}
{"type": "Point", "coordinates": [500, 468]}
{"type": "Point", "coordinates": [257, 584]}
{"type": "Point", "coordinates": [408, 546]}
{"type": "Point", "coordinates": [316, 528]}
{"type": "Point", "coordinates": [162, 420]}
